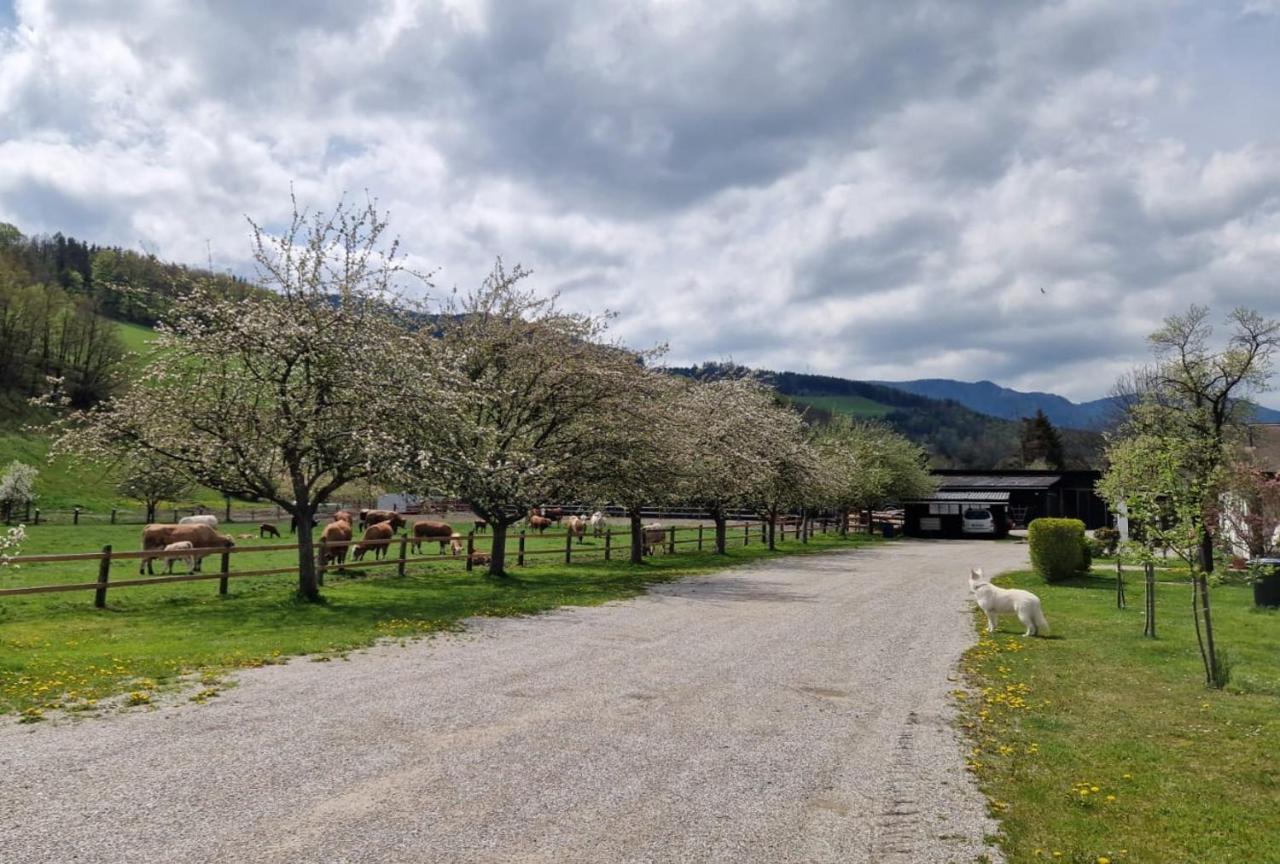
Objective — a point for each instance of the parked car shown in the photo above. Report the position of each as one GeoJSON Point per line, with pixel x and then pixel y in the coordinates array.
{"type": "Point", "coordinates": [978, 521]}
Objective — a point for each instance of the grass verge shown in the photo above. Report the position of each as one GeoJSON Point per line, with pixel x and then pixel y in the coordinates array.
{"type": "Point", "coordinates": [1098, 745]}
{"type": "Point", "coordinates": [59, 653]}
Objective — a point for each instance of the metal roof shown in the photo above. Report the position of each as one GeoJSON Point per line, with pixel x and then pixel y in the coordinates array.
{"type": "Point", "coordinates": [975, 497]}
{"type": "Point", "coordinates": [1008, 481]}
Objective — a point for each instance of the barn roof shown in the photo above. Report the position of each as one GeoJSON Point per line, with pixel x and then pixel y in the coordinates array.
{"type": "Point", "coordinates": [972, 496]}
{"type": "Point", "coordinates": [1020, 482]}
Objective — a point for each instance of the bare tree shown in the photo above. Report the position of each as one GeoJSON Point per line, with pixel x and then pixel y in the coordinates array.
{"type": "Point", "coordinates": [287, 394]}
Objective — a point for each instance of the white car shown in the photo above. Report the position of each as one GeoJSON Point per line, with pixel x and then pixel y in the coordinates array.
{"type": "Point", "coordinates": [978, 521]}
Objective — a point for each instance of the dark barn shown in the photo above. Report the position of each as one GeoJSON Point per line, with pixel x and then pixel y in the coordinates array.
{"type": "Point", "coordinates": [1013, 497]}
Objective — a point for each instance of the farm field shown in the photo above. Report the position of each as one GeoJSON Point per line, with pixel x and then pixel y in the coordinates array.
{"type": "Point", "coordinates": [854, 406]}
{"type": "Point", "coordinates": [57, 651]}
{"type": "Point", "coordinates": [1098, 744]}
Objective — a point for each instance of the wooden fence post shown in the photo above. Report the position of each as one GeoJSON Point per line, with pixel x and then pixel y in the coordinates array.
{"type": "Point", "coordinates": [320, 559]}
{"type": "Point", "coordinates": [568, 547]}
{"type": "Point", "coordinates": [699, 536]}
{"type": "Point", "coordinates": [746, 533]}
{"type": "Point", "coordinates": [764, 534]}
{"type": "Point", "coordinates": [671, 542]}
{"type": "Point", "coordinates": [104, 574]}
{"type": "Point", "coordinates": [27, 512]}
{"type": "Point", "coordinates": [608, 539]}
{"type": "Point", "coordinates": [37, 519]}
{"type": "Point", "coordinates": [404, 548]}
{"type": "Point", "coordinates": [228, 519]}
{"type": "Point", "coordinates": [471, 548]}
{"type": "Point", "coordinates": [113, 515]}
{"type": "Point", "coordinates": [225, 568]}
{"type": "Point", "coordinates": [520, 551]}
{"type": "Point", "coordinates": [75, 516]}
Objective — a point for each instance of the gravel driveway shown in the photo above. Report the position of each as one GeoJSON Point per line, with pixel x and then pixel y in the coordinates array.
{"type": "Point", "coordinates": [794, 710]}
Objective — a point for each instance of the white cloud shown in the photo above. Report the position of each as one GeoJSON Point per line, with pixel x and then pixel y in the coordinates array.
{"type": "Point", "coordinates": [1000, 190]}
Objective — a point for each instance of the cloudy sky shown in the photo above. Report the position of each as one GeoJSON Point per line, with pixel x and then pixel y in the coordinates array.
{"type": "Point", "coordinates": [890, 189]}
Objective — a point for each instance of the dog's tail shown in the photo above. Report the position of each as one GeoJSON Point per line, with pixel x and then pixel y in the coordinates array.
{"type": "Point", "coordinates": [1042, 624]}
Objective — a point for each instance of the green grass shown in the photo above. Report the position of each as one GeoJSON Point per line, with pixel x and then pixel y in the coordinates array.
{"type": "Point", "coordinates": [135, 337]}
{"type": "Point", "coordinates": [854, 406]}
{"type": "Point", "coordinates": [63, 484]}
{"type": "Point", "coordinates": [1098, 707]}
{"type": "Point", "coordinates": [57, 651]}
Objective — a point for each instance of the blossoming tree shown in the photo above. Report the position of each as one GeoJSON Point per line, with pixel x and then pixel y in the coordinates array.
{"type": "Point", "coordinates": [284, 395]}
{"type": "Point", "coordinates": [530, 384]}
{"type": "Point", "coordinates": [17, 488]}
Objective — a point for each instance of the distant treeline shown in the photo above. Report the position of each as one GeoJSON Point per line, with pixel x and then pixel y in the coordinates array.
{"type": "Point", "coordinates": [56, 293]}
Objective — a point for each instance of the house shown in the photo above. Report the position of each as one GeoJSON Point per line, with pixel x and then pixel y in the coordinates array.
{"type": "Point", "coordinates": [1248, 534]}
{"type": "Point", "coordinates": [1013, 497]}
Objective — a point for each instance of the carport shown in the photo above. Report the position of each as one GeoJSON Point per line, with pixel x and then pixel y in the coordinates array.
{"type": "Point", "coordinates": [942, 514]}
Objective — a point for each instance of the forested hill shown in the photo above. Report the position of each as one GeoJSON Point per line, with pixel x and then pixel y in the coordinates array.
{"type": "Point", "coordinates": [58, 298]}
{"type": "Point", "coordinates": [955, 436]}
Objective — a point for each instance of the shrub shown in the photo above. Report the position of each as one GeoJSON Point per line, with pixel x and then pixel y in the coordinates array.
{"type": "Point", "coordinates": [1057, 547]}
{"type": "Point", "coordinates": [1086, 554]}
{"type": "Point", "coordinates": [1109, 539]}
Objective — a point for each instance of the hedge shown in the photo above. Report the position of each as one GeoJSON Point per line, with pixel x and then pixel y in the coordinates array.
{"type": "Point", "coordinates": [1057, 548]}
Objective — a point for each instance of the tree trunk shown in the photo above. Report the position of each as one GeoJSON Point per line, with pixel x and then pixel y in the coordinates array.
{"type": "Point", "coordinates": [308, 589]}
{"type": "Point", "coordinates": [637, 536]}
{"type": "Point", "coordinates": [1206, 551]}
{"type": "Point", "coordinates": [843, 515]}
{"type": "Point", "coordinates": [773, 522]}
{"type": "Point", "coordinates": [151, 511]}
{"type": "Point", "coordinates": [1213, 671]}
{"type": "Point", "coordinates": [718, 516]}
{"type": "Point", "coordinates": [498, 551]}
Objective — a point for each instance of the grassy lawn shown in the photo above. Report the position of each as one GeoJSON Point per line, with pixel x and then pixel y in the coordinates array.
{"type": "Point", "coordinates": [1097, 744]}
{"type": "Point", "coordinates": [57, 651]}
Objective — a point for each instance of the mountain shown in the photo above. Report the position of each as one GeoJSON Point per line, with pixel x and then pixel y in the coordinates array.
{"type": "Point", "coordinates": [990, 398]}
{"type": "Point", "coordinates": [955, 435]}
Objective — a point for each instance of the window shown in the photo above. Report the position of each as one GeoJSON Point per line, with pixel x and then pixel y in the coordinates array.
{"type": "Point", "coordinates": [944, 509]}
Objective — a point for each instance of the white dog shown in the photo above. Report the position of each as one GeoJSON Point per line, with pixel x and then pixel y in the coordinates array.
{"type": "Point", "coordinates": [996, 601]}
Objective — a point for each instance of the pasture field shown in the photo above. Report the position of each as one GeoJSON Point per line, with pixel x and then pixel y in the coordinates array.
{"type": "Point", "coordinates": [58, 652]}
{"type": "Point", "coordinates": [854, 406]}
{"type": "Point", "coordinates": [1099, 745]}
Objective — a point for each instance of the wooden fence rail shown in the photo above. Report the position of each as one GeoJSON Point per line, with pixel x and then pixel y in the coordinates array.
{"type": "Point", "coordinates": [693, 536]}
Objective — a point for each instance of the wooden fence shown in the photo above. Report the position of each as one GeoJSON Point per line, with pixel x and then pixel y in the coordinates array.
{"type": "Point", "coordinates": [698, 536]}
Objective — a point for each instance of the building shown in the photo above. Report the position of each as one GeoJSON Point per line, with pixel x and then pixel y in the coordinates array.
{"type": "Point", "coordinates": [1013, 497]}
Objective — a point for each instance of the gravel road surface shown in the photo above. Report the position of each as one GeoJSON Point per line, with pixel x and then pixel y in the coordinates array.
{"type": "Point", "coordinates": [788, 711]}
